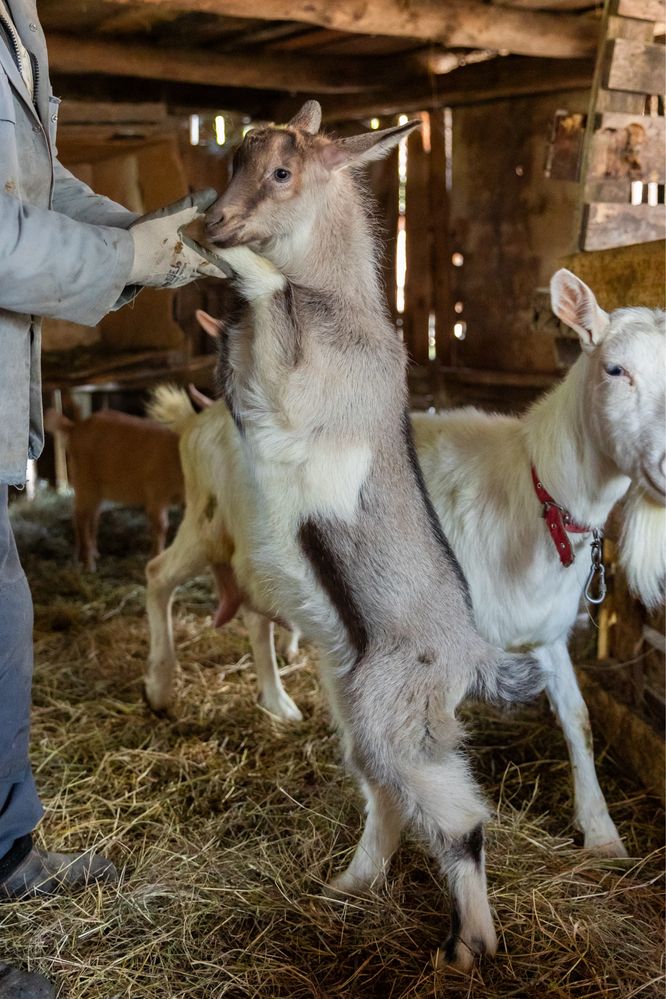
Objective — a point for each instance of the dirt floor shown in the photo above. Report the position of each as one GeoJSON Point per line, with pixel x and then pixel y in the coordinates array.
{"type": "Point", "coordinates": [226, 824]}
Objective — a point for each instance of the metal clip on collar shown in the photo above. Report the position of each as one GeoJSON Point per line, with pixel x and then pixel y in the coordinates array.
{"type": "Point", "coordinates": [597, 567]}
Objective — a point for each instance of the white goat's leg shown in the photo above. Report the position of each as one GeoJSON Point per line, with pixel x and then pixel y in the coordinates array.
{"type": "Point", "coordinates": [380, 839]}
{"type": "Point", "coordinates": [590, 808]}
{"type": "Point", "coordinates": [288, 643]}
{"type": "Point", "coordinates": [272, 695]}
{"type": "Point", "coordinates": [164, 573]}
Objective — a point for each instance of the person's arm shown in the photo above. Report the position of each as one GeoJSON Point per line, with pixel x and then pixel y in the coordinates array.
{"type": "Point", "coordinates": [75, 199]}
{"type": "Point", "coordinates": [52, 265]}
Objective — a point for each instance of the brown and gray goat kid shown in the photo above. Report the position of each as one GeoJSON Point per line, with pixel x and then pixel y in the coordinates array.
{"type": "Point", "coordinates": [123, 458]}
{"type": "Point", "coordinates": [340, 536]}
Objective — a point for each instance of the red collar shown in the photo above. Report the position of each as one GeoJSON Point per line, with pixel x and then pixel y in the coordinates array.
{"type": "Point", "coordinates": [559, 522]}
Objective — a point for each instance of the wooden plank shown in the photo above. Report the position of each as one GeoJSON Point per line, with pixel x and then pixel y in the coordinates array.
{"type": "Point", "coordinates": [457, 23]}
{"type": "Point", "coordinates": [70, 54]}
{"type": "Point", "coordinates": [627, 146]}
{"type": "Point", "coordinates": [647, 10]}
{"type": "Point", "coordinates": [628, 27]}
{"type": "Point", "coordinates": [418, 279]}
{"type": "Point", "coordinates": [619, 100]}
{"type": "Point", "coordinates": [98, 112]}
{"type": "Point", "coordinates": [635, 66]}
{"type": "Point", "coordinates": [608, 190]}
{"type": "Point", "coordinates": [609, 225]}
{"type": "Point", "coordinates": [634, 744]}
{"type": "Point", "coordinates": [441, 243]}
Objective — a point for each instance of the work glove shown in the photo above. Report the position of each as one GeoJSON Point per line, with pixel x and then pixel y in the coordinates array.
{"type": "Point", "coordinates": [163, 256]}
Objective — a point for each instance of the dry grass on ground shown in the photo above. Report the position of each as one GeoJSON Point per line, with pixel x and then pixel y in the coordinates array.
{"type": "Point", "coordinates": [226, 824]}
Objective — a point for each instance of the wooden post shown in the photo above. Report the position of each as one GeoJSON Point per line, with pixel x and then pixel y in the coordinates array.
{"type": "Point", "coordinates": [441, 244]}
{"type": "Point", "coordinates": [384, 182]}
{"type": "Point", "coordinates": [418, 279]}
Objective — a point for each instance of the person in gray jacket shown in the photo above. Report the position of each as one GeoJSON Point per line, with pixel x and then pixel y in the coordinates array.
{"type": "Point", "coordinates": [66, 253]}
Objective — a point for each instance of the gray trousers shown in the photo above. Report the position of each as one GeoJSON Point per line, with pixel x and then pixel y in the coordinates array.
{"type": "Point", "coordinates": [20, 808]}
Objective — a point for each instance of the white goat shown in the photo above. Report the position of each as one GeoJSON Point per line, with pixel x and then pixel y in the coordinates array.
{"type": "Point", "coordinates": [218, 509]}
{"type": "Point", "coordinates": [598, 434]}
{"type": "Point", "coordinates": [590, 438]}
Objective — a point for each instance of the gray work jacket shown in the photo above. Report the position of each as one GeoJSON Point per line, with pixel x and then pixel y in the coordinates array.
{"type": "Point", "coordinates": [64, 251]}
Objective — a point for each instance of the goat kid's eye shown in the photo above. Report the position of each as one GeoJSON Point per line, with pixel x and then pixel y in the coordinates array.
{"type": "Point", "coordinates": [614, 370]}
{"type": "Point", "coordinates": [281, 174]}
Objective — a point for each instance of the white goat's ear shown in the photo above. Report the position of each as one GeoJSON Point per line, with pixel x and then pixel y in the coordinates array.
{"type": "Point", "coordinates": [308, 118]}
{"type": "Point", "coordinates": [574, 303]}
{"type": "Point", "coordinates": [213, 327]}
{"type": "Point", "coordinates": [365, 148]}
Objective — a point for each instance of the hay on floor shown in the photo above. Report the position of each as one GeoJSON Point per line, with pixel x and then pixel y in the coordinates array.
{"type": "Point", "coordinates": [226, 824]}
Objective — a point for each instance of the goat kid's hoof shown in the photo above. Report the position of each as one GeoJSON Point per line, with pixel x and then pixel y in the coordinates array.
{"type": "Point", "coordinates": [281, 707]}
{"type": "Point", "coordinates": [462, 954]}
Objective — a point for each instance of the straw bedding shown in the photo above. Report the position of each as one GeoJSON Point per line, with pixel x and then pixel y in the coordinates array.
{"type": "Point", "coordinates": [226, 824]}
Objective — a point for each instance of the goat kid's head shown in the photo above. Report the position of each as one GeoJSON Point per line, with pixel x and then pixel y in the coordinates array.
{"type": "Point", "coordinates": [280, 174]}
{"type": "Point", "coordinates": [626, 402]}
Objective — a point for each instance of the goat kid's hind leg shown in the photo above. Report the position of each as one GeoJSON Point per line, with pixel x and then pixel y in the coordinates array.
{"type": "Point", "coordinates": [590, 808]}
{"type": "Point", "coordinates": [272, 695]}
{"type": "Point", "coordinates": [448, 810]}
{"type": "Point", "coordinates": [381, 836]}
{"type": "Point", "coordinates": [164, 573]}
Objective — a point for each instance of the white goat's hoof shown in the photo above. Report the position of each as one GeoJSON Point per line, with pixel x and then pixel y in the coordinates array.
{"type": "Point", "coordinates": [609, 848]}
{"type": "Point", "coordinates": [157, 698]}
{"type": "Point", "coordinates": [281, 706]}
{"type": "Point", "coordinates": [603, 839]}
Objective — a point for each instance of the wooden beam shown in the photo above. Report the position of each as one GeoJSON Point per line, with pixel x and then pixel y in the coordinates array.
{"type": "Point", "coordinates": [495, 80]}
{"type": "Point", "coordinates": [456, 23]}
{"type": "Point", "coordinates": [294, 73]}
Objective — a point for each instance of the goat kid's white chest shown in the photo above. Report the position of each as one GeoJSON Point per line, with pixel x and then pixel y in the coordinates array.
{"type": "Point", "coordinates": [322, 480]}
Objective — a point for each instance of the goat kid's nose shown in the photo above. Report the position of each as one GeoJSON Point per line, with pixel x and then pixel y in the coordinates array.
{"type": "Point", "coordinates": [214, 217]}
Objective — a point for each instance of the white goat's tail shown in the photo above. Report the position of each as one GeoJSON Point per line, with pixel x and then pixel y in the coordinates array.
{"type": "Point", "coordinates": [510, 678]}
{"type": "Point", "coordinates": [171, 406]}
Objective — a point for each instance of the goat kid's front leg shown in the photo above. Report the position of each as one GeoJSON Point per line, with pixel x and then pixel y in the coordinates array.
{"type": "Point", "coordinates": [272, 695]}
{"type": "Point", "coordinates": [590, 808]}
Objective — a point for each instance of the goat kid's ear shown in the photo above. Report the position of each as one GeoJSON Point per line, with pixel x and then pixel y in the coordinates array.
{"type": "Point", "coordinates": [213, 327]}
{"type": "Point", "coordinates": [574, 303]}
{"type": "Point", "coordinates": [308, 118]}
{"type": "Point", "coordinates": [365, 148]}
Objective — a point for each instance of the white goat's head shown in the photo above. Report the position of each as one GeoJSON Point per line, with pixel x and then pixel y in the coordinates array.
{"type": "Point", "coordinates": [626, 353]}
{"type": "Point", "coordinates": [626, 407]}
{"type": "Point", "coordinates": [280, 174]}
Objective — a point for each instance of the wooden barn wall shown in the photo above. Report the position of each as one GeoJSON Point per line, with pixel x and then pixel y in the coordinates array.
{"type": "Point", "coordinates": [512, 225]}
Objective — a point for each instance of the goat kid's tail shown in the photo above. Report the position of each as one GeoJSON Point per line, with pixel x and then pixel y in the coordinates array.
{"type": "Point", "coordinates": [510, 678]}
{"type": "Point", "coordinates": [171, 406]}
{"type": "Point", "coordinates": [55, 421]}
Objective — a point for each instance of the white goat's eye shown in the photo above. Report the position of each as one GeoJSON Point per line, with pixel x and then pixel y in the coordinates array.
{"type": "Point", "coordinates": [615, 370]}
{"type": "Point", "coordinates": [281, 174]}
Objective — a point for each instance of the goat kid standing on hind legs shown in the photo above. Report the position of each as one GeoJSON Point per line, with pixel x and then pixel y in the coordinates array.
{"type": "Point", "coordinates": [345, 541]}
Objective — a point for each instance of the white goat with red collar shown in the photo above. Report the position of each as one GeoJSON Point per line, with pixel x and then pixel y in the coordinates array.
{"type": "Point", "coordinates": [599, 434]}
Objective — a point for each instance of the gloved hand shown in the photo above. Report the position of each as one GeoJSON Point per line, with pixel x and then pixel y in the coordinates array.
{"type": "Point", "coordinates": [163, 256]}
